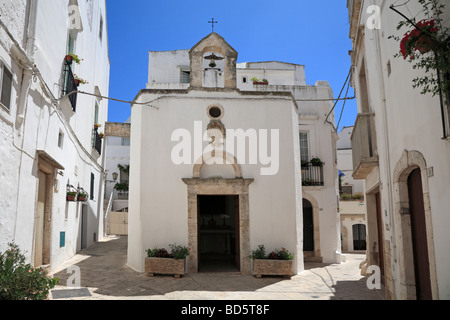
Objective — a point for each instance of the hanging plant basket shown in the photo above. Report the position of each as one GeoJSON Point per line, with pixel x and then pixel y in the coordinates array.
{"type": "Point", "coordinates": [82, 198]}
{"type": "Point", "coordinates": [71, 196]}
{"type": "Point", "coordinates": [424, 44]}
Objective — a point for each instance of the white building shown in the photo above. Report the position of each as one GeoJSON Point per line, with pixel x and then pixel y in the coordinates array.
{"type": "Point", "coordinates": [352, 206]}
{"type": "Point", "coordinates": [117, 155]}
{"type": "Point", "coordinates": [401, 148]}
{"type": "Point", "coordinates": [47, 137]}
{"type": "Point", "coordinates": [191, 91]}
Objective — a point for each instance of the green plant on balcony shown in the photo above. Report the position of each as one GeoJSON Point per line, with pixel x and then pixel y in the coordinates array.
{"type": "Point", "coordinates": [426, 45]}
{"type": "Point", "coordinates": [316, 162]}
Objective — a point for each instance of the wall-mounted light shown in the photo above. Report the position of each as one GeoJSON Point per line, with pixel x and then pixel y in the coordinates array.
{"type": "Point", "coordinates": [115, 176]}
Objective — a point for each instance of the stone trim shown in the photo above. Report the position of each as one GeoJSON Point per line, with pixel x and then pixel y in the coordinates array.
{"type": "Point", "coordinates": [218, 186]}
{"type": "Point", "coordinates": [409, 161]}
{"type": "Point", "coordinates": [316, 222]}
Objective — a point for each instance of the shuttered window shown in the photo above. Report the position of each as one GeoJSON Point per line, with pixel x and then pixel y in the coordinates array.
{"type": "Point", "coordinates": [6, 78]}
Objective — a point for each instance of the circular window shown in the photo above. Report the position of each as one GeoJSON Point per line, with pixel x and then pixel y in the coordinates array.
{"type": "Point", "coordinates": [215, 112]}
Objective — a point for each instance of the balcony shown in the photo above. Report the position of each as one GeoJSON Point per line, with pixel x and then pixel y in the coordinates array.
{"type": "Point", "coordinates": [312, 175]}
{"type": "Point", "coordinates": [364, 146]}
{"type": "Point", "coordinates": [70, 86]}
{"type": "Point", "coordinates": [97, 141]}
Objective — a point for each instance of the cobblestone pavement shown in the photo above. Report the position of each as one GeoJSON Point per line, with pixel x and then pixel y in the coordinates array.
{"type": "Point", "coordinates": [104, 276]}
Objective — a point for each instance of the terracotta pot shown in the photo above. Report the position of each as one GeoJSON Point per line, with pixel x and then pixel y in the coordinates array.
{"type": "Point", "coordinates": [424, 44]}
{"type": "Point", "coordinates": [77, 82]}
{"type": "Point", "coordinates": [82, 199]}
{"type": "Point", "coordinates": [71, 197]}
{"type": "Point", "coordinates": [69, 59]}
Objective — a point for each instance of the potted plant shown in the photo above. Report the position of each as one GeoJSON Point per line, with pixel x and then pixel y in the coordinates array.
{"type": "Point", "coordinates": [82, 196]}
{"type": "Point", "coordinates": [317, 162]}
{"type": "Point", "coordinates": [160, 261]}
{"type": "Point", "coordinates": [277, 263]}
{"type": "Point", "coordinates": [70, 57]}
{"type": "Point", "coordinates": [79, 80]}
{"type": "Point", "coordinates": [96, 126]}
{"type": "Point", "coordinates": [418, 39]}
{"type": "Point", "coordinates": [71, 196]}
{"type": "Point", "coordinates": [258, 81]}
{"type": "Point", "coordinates": [101, 135]}
{"type": "Point", "coordinates": [427, 45]}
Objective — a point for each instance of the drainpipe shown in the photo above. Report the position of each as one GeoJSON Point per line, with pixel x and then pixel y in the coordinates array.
{"type": "Point", "coordinates": [30, 51]}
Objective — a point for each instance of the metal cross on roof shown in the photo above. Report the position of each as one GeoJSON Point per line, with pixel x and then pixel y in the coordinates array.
{"type": "Point", "coordinates": [212, 23]}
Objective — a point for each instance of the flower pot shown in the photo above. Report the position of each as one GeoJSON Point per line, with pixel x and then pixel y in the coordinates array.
{"type": "Point", "coordinates": [424, 44]}
{"type": "Point", "coordinates": [77, 82]}
{"type": "Point", "coordinates": [261, 83]}
{"type": "Point", "coordinates": [165, 266]}
{"type": "Point", "coordinates": [82, 198]}
{"type": "Point", "coordinates": [69, 59]}
{"type": "Point", "coordinates": [270, 267]}
{"type": "Point", "coordinates": [71, 197]}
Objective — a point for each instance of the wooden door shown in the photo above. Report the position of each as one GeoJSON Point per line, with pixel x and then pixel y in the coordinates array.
{"type": "Point", "coordinates": [39, 220]}
{"type": "Point", "coordinates": [118, 223]}
{"type": "Point", "coordinates": [359, 237]}
{"type": "Point", "coordinates": [419, 236]}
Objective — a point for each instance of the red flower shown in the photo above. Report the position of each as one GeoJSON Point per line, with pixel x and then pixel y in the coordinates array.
{"type": "Point", "coordinates": [409, 43]}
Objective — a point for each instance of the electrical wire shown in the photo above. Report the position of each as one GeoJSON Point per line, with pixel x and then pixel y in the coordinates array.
{"type": "Point", "coordinates": [339, 98]}
{"type": "Point", "coordinates": [343, 106]}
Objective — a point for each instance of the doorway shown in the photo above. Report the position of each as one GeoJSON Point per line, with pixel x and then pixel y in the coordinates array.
{"type": "Point", "coordinates": [419, 236]}
{"type": "Point", "coordinates": [359, 237]}
{"type": "Point", "coordinates": [84, 226]}
{"type": "Point", "coordinates": [39, 240]}
{"type": "Point", "coordinates": [218, 233]}
{"type": "Point", "coordinates": [308, 226]}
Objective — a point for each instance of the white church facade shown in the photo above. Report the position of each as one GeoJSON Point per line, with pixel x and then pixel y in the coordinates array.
{"type": "Point", "coordinates": [216, 161]}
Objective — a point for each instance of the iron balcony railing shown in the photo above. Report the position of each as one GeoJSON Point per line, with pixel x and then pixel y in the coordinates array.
{"type": "Point", "coordinates": [70, 86]}
{"type": "Point", "coordinates": [312, 175]}
{"type": "Point", "coordinates": [97, 141]}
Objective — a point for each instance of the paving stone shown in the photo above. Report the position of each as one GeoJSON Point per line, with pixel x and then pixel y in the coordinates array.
{"type": "Point", "coordinates": [105, 276]}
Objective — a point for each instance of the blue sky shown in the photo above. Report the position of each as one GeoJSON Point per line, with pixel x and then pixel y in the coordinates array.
{"type": "Point", "coordinates": [311, 33]}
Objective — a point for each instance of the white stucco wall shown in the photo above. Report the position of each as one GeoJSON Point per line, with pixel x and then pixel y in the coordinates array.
{"type": "Point", "coordinates": [43, 122]}
{"type": "Point", "coordinates": [158, 196]}
{"type": "Point", "coordinates": [406, 120]}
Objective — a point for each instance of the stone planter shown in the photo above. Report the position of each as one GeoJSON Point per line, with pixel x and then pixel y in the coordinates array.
{"type": "Point", "coordinates": [270, 267]}
{"type": "Point", "coordinates": [164, 266]}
